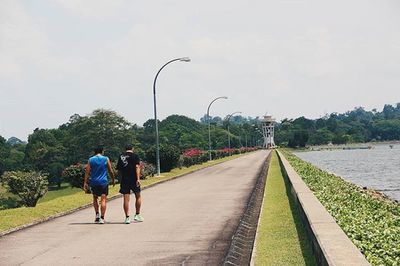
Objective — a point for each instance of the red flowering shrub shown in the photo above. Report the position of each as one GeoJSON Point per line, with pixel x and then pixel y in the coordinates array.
{"type": "Point", "coordinates": [194, 156]}
{"type": "Point", "coordinates": [197, 156]}
{"type": "Point", "coordinates": [147, 169]}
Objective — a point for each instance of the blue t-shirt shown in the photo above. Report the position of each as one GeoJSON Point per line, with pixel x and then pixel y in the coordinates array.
{"type": "Point", "coordinates": [98, 170]}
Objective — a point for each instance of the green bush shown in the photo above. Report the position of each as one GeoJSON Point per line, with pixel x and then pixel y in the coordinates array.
{"type": "Point", "coordinates": [147, 169]}
{"type": "Point", "coordinates": [75, 175]}
{"type": "Point", "coordinates": [169, 156]}
{"type": "Point", "coordinates": [187, 161]}
{"type": "Point", "coordinates": [29, 186]}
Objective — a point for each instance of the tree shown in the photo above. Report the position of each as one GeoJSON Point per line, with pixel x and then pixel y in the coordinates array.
{"type": "Point", "coordinates": [29, 186]}
{"type": "Point", "coordinates": [3, 154]}
{"type": "Point", "coordinates": [320, 137]}
{"type": "Point", "coordinates": [299, 138]}
{"type": "Point", "coordinates": [75, 175]}
{"type": "Point", "coordinates": [102, 127]}
{"type": "Point", "coordinates": [169, 156]}
{"type": "Point", "coordinates": [44, 152]}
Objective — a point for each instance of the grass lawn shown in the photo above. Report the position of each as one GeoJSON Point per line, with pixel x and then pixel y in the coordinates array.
{"type": "Point", "coordinates": [67, 198]}
{"type": "Point", "coordinates": [281, 237]}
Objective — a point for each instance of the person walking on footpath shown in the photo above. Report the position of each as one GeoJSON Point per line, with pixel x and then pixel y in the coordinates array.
{"type": "Point", "coordinates": [128, 167]}
{"type": "Point", "coordinates": [97, 168]}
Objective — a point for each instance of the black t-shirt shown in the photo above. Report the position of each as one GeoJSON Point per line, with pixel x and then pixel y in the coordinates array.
{"type": "Point", "coordinates": [127, 165]}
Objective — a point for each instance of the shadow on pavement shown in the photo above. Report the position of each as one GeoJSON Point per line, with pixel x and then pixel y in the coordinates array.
{"type": "Point", "coordinates": [101, 224]}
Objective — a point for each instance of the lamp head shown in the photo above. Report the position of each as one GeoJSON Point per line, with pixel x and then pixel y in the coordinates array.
{"type": "Point", "coordinates": [184, 59]}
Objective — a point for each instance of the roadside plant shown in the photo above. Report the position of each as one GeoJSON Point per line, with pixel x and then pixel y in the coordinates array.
{"type": "Point", "coordinates": [29, 186]}
{"type": "Point", "coordinates": [147, 169]}
{"type": "Point", "coordinates": [169, 156]}
{"type": "Point", "coordinates": [74, 174]}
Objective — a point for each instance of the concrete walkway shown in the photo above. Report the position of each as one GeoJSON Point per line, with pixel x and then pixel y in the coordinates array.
{"type": "Point", "coordinates": [188, 221]}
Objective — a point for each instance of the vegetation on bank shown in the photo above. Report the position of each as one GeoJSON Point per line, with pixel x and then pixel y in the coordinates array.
{"type": "Point", "coordinates": [281, 236]}
{"type": "Point", "coordinates": [68, 198]}
{"type": "Point", "coordinates": [356, 126]}
{"type": "Point", "coordinates": [369, 220]}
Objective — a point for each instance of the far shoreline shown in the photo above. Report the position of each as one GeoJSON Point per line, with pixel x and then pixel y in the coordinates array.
{"type": "Point", "coordinates": [348, 146]}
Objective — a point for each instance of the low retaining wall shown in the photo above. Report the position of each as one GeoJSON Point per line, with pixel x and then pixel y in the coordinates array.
{"type": "Point", "coordinates": [330, 244]}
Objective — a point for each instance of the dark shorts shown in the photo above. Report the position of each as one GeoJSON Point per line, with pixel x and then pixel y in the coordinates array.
{"type": "Point", "coordinates": [99, 190]}
{"type": "Point", "coordinates": [127, 187]}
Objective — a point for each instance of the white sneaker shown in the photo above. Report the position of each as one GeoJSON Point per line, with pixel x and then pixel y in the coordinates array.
{"type": "Point", "coordinates": [138, 218]}
{"type": "Point", "coordinates": [101, 221]}
{"type": "Point", "coordinates": [127, 220]}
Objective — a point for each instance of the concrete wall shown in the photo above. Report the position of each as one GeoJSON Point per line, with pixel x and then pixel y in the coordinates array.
{"type": "Point", "coordinates": [330, 244]}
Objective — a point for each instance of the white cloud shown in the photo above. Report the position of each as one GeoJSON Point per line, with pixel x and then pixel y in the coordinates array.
{"type": "Point", "coordinates": [21, 41]}
{"type": "Point", "coordinates": [291, 58]}
{"type": "Point", "coordinates": [92, 8]}
{"type": "Point", "coordinates": [26, 49]}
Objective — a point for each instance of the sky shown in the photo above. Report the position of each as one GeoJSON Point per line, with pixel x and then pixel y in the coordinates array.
{"type": "Point", "coordinates": [288, 58]}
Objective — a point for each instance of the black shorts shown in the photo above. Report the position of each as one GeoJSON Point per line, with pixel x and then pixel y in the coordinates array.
{"type": "Point", "coordinates": [99, 190]}
{"type": "Point", "coordinates": [127, 187]}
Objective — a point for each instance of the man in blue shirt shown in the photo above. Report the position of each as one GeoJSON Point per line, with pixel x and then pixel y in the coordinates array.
{"type": "Point", "coordinates": [97, 168]}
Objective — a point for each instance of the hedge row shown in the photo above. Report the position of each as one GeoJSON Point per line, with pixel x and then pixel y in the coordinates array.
{"type": "Point", "coordinates": [197, 156]}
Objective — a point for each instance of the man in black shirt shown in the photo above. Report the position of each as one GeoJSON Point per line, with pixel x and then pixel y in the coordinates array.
{"type": "Point", "coordinates": [128, 167]}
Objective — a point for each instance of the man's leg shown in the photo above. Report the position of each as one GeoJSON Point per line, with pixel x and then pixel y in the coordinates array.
{"type": "Point", "coordinates": [103, 205]}
{"type": "Point", "coordinates": [96, 208]}
{"type": "Point", "coordinates": [138, 202]}
{"type": "Point", "coordinates": [96, 204]}
{"type": "Point", "coordinates": [127, 198]}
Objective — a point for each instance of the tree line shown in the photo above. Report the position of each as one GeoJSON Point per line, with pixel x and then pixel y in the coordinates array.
{"type": "Point", "coordinates": [356, 126]}
{"type": "Point", "coordinates": [52, 150]}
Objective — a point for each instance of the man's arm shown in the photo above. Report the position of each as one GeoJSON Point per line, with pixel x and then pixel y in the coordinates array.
{"type": "Point", "coordinates": [138, 174]}
{"type": "Point", "coordinates": [87, 173]}
{"type": "Point", "coordinates": [110, 171]}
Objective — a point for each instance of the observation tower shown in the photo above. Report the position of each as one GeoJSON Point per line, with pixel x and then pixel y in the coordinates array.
{"type": "Point", "coordinates": [268, 131]}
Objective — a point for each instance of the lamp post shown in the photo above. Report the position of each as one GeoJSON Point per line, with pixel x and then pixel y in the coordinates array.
{"type": "Point", "coordinates": [181, 59]}
{"type": "Point", "coordinates": [209, 123]}
{"type": "Point", "coordinates": [229, 134]}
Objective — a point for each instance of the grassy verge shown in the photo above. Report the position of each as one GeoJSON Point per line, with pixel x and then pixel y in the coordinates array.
{"type": "Point", "coordinates": [281, 237]}
{"type": "Point", "coordinates": [66, 199]}
{"type": "Point", "coordinates": [370, 221]}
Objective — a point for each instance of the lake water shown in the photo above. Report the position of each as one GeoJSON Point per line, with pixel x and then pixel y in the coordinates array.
{"type": "Point", "coordinates": [377, 168]}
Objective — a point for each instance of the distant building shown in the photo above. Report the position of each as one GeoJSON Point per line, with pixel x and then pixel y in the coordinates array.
{"type": "Point", "coordinates": [268, 124]}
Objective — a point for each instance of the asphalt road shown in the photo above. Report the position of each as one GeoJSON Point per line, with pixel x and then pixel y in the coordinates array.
{"type": "Point", "coordinates": [188, 221]}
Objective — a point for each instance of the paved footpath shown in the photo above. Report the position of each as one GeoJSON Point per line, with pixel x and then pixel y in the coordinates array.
{"type": "Point", "coordinates": [188, 221]}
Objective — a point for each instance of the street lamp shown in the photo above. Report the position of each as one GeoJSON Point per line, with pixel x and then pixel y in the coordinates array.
{"type": "Point", "coordinates": [182, 59]}
{"type": "Point", "coordinates": [229, 134]}
{"type": "Point", "coordinates": [209, 123]}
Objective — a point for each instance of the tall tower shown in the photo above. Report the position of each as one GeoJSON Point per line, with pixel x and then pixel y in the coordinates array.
{"type": "Point", "coordinates": [268, 131]}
